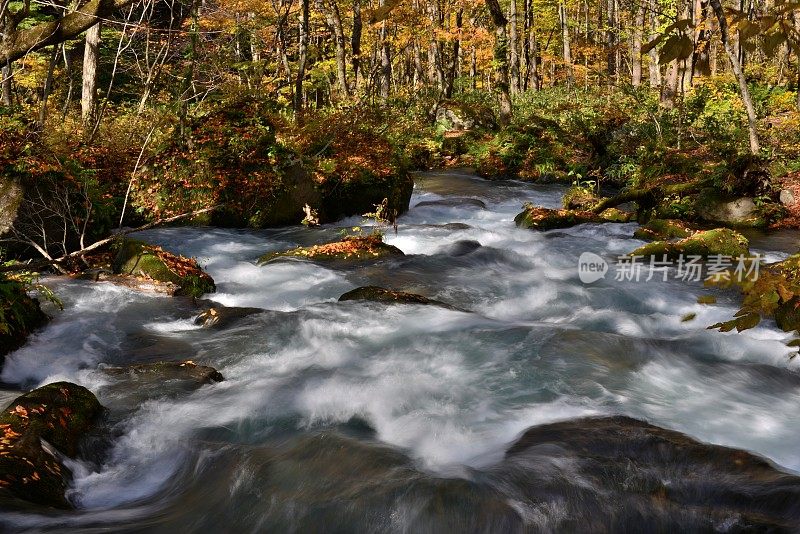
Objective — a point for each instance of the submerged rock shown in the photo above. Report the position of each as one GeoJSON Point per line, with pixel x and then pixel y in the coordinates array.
{"type": "Point", "coordinates": [222, 316]}
{"type": "Point", "coordinates": [151, 262]}
{"type": "Point", "coordinates": [663, 229]}
{"type": "Point", "coordinates": [616, 473]}
{"type": "Point", "coordinates": [350, 248]}
{"type": "Point", "coordinates": [185, 371]}
{"type": "Point", "coordinates": [457, 202]}
{"type": "Point", "coordinates": [380, 294]}
{"type": "Point", "coordinates": [21, 315]}
{"type": "Point", "coordinates": [539, 218]}
{"type": "Point", "coordinates": [722, 241]}
{"type": "Point", "coordinates": [55, 416]}
{"type": "Point", "coordinates": [462, 247]}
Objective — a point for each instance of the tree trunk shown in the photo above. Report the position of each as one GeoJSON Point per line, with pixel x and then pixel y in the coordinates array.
{"type": "Point", "coordinates": [386, 63]}
{"type": "Point", "coordinates": [701, 61]}
{"type": "Point", "coordinates": [611, 39]}
{"type": "Point", "coordinates": [501, 61]}
{"type": "Point", "coordinates": [636, 48]}
{"type": "Point", "coordinates": [7, 89]}
{"type": "Point", "coordinates": [652, 64]}
{"type": "Point", "coordinates": [335, 21]}
{"type": "Point", "coordinates": [355, 43]}
{"type": "Point", "coordinates": [513, 43]}
{"type": "Point", "coordinates": [755, 147]}
{"type": "Point", "coordinates": [91, 55]}
{"type": "Point", "coordinates": [302, 58]}
{"type": "Point", "coordinates": [48, 85]}
{"type": "Point", "coordinates": [452, 72]}
{"type": "Point", "coordinates": [566, 49]}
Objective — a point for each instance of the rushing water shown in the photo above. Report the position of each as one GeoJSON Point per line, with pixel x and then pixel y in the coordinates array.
{"type": "Point", "coordinates": [355, 415]}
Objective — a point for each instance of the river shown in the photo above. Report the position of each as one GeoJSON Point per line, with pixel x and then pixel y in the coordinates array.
{"type": "Point", "coordinates": [356, 416]}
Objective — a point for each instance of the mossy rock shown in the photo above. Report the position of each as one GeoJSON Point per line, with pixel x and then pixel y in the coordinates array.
{"type": "Point", "coordinates": [380, 294]}
{"type": "Point", "coordinates": [722, 241]}
{"type": "Point", "coordinates": [539, 218]}
{"type": "Point", "coordinates": [22, 315]}
{"type": "Point", "coordinates": [60, 413]}
{"type": "Point", "coordinates": [579, 198]}
{"type": "Point", "coordinates": [141, 259]}
{"type": "Point", "coordinates": [787, 315]}
{"type": "Point", "coordinates": [353, 248]}
{"type": "Point", "coordinates": [664, 229]}
{"type": "Point", "coordinates": [360, 196]}
{"type": "Point", "coordinates": [616, 215]}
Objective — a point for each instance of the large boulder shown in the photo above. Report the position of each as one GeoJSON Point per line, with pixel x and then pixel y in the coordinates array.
{"type": "Point", "coordinates": [140, 259]}
{"type": "Point", "coordinates": [362, 195]}
{"type": "Point", "coordinates": [20, 315]}
{"type": "Point", "coordinates": [455, 115]}
{"type": "Point", "coordinates": [388, 296]}
{"type": "Point", "coordinates": [55, 416]}
{"type": "Point", "coordinates": [616, 474]}
{"type": "Point", "coordinates": [719, 241]}
{"type": "Point", "coordinates": [351, 248]}
{"type": "Point", "coordinates": [736, 212]}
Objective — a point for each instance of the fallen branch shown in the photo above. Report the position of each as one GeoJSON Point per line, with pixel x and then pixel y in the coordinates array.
{"type": "Point", "coordinates": [35, 266]}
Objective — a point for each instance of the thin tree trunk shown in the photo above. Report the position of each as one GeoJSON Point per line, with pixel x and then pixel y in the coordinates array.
{"type": "Point", "coordinates": [755, 147]}
{"type": "Point", "coordinates": [7, 89]}
{"type": "Point", "coordinates": [565, 43]}
{"type": "Point", "coordinates": [513, 43]}
{"type": "Point", "coordinates": [48, 85]}
{"type": "Point", "coordinates": [701, 62]}
{"type": "Point", "coordinates": [355, 43]}
{"type": "Point", "coordinates": [302, 58]}
{"type": "Point", "coordinates": [91, 55]}
{"type": "Point", "coordinates": [652, 63]}
{"type": "Point", "coordinates": [636, 48]}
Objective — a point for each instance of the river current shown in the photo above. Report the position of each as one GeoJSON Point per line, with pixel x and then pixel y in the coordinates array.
{"type": "Point", "coordinates": [357, 416]}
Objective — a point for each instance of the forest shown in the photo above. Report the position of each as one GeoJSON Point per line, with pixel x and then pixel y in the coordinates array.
{"type": "Point", "coordinates": [372, 216]}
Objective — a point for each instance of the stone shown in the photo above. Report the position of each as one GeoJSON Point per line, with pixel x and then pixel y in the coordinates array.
{"type": "Point", "coordinates": [380, 294]}
{"type": "Point", "coordinates": [787, 197]}
{"type": "Point", "coordinates": [722, 241]}
{"type": "Point", "coordinates": [351, 248]}
{"type": "Point", "coordinates": [151, 262]}
{"type": "Point", "coordinates": [56, 416]}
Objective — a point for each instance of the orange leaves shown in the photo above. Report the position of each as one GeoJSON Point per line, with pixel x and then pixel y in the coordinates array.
{"type": "Point", "coordinates": [19, 411]}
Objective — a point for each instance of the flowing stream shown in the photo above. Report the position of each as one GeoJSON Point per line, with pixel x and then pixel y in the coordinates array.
{"type": "Point", "coordinates": [371, 417]}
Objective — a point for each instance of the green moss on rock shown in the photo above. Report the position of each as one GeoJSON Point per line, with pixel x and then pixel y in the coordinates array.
{"type": "Point", "coordinates": [722, 241]}
{"type": "Point", "coordinates": [60, 413]}
{"type": "Point", "coordinates": [140, 259]}
{"type": "Point", "coordinates": [663, 229]}
{"type": "Point", "coordinates": [579, 198]}
{"type": "Point", "coordinates": [539, 218]}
